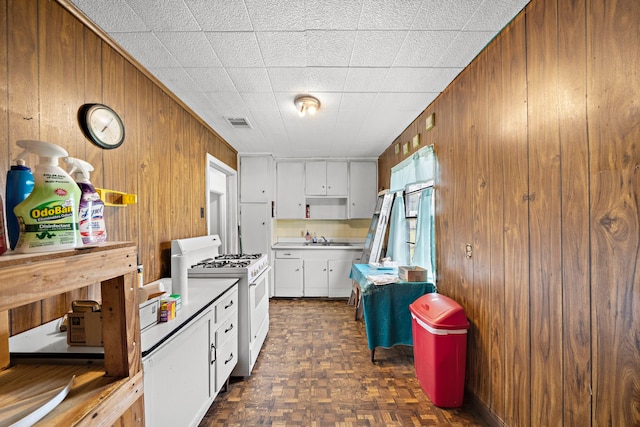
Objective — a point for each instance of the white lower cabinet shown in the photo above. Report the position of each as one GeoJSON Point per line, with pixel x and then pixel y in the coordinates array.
{"type": "Point", "coordinates": [316, 278]}
{"type": "Point", "coordinates": [314, 273]}
{"type": "Point", "coordinates": [339, 281]}
{"type": "Point", "coordinates": [288, 275]}
{"type": "Point", "coordinates": [186, 372]}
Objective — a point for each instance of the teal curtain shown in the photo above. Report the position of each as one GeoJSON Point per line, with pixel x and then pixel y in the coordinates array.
{"type": "Point", "coordinates": [397, 248]}
{"type": "Point", "coordinates": [417, 168]}
{"type": "Point", "coordinates": [424, 251]}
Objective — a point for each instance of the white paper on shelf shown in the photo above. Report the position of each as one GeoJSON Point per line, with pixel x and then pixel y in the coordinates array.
{"type": "Point", "coordinates": [47, 407]}
{"type": "Point", "coordinates": [383, 279]}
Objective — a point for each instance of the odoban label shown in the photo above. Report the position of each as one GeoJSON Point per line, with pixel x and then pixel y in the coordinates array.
{"type": "Point", "coordinates": [51, 211]}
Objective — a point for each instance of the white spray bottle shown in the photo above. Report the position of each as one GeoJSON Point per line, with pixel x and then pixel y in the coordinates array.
{"type": "Point", "coordinates": [48, 218]}
{"type": "Point", "coordinates": [91, 212]}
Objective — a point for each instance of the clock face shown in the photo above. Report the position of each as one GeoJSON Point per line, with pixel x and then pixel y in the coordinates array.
{"type": "Point", "coordinates": [102, 125]}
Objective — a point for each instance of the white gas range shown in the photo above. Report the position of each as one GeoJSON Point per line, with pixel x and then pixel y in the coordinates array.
{"type": "Point", "coordinates": [199, 258]}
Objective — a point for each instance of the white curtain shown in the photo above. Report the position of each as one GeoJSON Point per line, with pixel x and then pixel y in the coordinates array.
{"type": "Point", "coordinates": [397, 248]}
{"type": "Point", "coordinates": [425, 239]}
{"type": "Point", "coordinates": [417, 168]}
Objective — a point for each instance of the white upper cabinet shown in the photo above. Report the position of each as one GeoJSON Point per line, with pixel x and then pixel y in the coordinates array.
{"type": "Point", "coordinates": [254, 179]}
{"type": "Point", "coordinates": [363, 190]}
{"type": "Point", "coordinates": [326, 178]}
{"type": "Point", "coordinates": [290, 200]}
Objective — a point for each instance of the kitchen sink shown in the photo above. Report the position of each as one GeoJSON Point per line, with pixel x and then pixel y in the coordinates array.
{"type": "Point", "coordinates": [327, 244]}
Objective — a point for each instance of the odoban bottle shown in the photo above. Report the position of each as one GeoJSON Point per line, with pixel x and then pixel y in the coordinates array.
{"type": "Point", "coordinates": [48, 218]}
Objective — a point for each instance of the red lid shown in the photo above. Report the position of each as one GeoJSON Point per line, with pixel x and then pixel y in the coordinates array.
{"type": "Point", "coordinates": [439, 312]}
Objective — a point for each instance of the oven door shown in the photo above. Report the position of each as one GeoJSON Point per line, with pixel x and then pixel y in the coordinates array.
{"type": "Point", "coordinates": [258, 302]}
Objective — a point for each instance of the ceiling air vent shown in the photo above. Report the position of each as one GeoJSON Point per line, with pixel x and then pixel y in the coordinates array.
{"type": "Point", "coordinates": [239, 122]}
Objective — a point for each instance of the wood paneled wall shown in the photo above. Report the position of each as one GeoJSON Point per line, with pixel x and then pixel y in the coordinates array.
{"type": "Point", "coordinates": [539, 169]}
{"type": "Point", "coordinates": [51, 63]}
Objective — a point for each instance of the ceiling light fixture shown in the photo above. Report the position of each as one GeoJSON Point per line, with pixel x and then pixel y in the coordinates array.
{"type": "Point", "coordinates": [306, 103]}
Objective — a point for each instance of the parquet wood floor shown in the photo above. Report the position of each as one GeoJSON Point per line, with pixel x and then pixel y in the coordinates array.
{"type": "Point", "coordinates": [315, 370]}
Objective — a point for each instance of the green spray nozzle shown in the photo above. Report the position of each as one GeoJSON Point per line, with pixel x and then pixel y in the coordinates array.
{"type": "Point", "coordinates": [48, 152]}
{"type": "Point", "coordinates": [81, 168]}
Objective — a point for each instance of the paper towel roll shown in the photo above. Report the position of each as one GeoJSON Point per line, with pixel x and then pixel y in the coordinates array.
{"type": "Point", "coordinates": [179, 280]}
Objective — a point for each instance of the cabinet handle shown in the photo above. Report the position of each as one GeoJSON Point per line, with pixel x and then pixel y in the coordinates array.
{"type": "Point", "coordinates": [262, 191]}
{"type": "Point", "coordinates": [297, 269]}
{"type": "Point", "coordinates": [229, 328]}
{"type": "Point", "coordinates": [229, 359]}
{"type": "Point", "coordinates": [228, 305]}
{"type": "Point", "coordinates": [213, 354]}
{"type": "Point", "coordinates": [324, 269]}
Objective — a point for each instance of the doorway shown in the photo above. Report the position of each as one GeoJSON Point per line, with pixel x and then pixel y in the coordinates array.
{"type": "Point", "coordinates": [222, 207]}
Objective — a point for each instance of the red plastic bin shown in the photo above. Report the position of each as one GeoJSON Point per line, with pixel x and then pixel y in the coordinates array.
{"type": "Point", "coordinates": [439, 348]}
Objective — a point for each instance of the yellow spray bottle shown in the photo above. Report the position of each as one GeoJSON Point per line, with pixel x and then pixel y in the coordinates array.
{"type": "Point", "coordinates": [48, 218]}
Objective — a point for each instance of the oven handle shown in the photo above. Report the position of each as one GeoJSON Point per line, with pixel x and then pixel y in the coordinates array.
{"type": "Point", "coordinates": [255, 281]}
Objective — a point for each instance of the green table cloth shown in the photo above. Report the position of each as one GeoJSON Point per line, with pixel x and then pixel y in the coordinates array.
{"type": "Point", "coordinates": [386, 307]}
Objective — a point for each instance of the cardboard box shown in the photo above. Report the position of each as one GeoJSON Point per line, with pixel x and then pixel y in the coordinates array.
{"type": "Point", "coordinates": [167, 309]}
{"type": "Point", "coordinates": [84, 329]}
{"type": "Point", "coordinates": [412, 273]}
{"type": "Point", "coordinates": [149, 312]}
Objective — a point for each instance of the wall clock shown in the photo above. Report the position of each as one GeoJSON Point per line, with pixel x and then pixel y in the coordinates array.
{"type": "Point", "coordinates": [101, 125]}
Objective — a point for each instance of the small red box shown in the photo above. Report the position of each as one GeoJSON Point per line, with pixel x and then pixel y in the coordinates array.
{"type": "Point", "coordinates": [439, 348]}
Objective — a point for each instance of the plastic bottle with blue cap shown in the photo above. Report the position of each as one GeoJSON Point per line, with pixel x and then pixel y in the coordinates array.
{"type": "Point", "coordinates": [19, 185]}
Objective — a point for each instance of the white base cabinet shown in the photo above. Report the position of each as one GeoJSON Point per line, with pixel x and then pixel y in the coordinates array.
{"type": "Point", "coordinates": [186, 372]}
{"type": "Point", "coordinates": [288, 275]}
{"type": "Point", "coordinates": [314, 272]}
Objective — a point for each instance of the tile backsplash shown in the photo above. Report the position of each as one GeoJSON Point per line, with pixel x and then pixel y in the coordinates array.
{"type": "Point", "coordinates": [331, 228]}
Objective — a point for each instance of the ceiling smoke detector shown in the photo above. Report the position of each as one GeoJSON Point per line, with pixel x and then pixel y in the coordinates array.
{"type": "Point", "coordinates": [306, 103]}
{"type": "Point", "coordinates": [238, 122]}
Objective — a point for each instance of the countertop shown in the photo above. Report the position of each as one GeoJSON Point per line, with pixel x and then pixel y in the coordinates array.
{"type": "Point", "coordinates": [332, 245]}
{"type": "Point", "coordinates": [47, 341]}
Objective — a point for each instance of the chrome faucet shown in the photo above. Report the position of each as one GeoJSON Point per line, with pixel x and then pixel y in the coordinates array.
{"type": "Point", "coordinates": [324, 239]}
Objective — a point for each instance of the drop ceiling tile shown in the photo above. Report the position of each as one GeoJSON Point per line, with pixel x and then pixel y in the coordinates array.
{"type": "Point", "coordinates": [388, 15]}
{"type": "Point", "coordinates": [402, 101]}
{"type": "Point", "coordinates": [176, 79]}
{"type": "Point", "coordinates": [236, 49]}
{"type": "Point", "coordinates": [112, 16]}
{"type": "Point", "coordinates": [250, 79]}
{"type": "Point", "coordinates": [494, 15]}
{"type": "Point", "coordinates": [281, 49]}
{"type": "Point", "coordinates": [147, 49]}
{"type": "Point", "coordinates": [276, 15]}
{"type": "Point", "coordinates": [441, 15]}
{"type": "Point", "coordinates": [329, 79]}
{"type": "Point", "coordinates": [259, 101]}
{"type": "Point", "coordinates": [376, 48]}
{"type": "Point", "coordinates": [365, 79]}
{"type": "Point", "coordinates": [329, 48]}
{"type": "Point", "coordinates": [155, 17]}
{"type": "Point", "coordinates": [190, 49]}
{"type": "Point", "coordinates": [332, 14]}
{"type": "Point", "coordinates": [288, 79]}
{"type": "Point", "coordinates": [212, 79]}
{"type": "Point", "coordinates": [418, 79]}
{"type": "Point", "coordinates": [360, 102]}
{"type": "Point", "coordinates": [227, 104]}
{"type": "Point", "coordinates": [464, 48]}
{"type": "Point", "coordinates": [424, 48]}
{"type": "Point", "coordinates": [220, 15]}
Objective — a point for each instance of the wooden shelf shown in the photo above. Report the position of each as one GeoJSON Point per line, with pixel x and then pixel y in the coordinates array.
{"type": "Point", "coordinates": [101, 393]}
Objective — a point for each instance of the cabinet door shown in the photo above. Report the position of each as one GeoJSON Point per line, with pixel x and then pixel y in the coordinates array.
{"type": "Point", "coordinates": [315, 174]}
{"type": "Point", "coordinates": [339, 281]}
{"type": "Point", "coordinates": [337, 178]}
{"type": "Point", "coordinates": [363, 189]}
{"type": "Point", "coordinates": [254, 227]}
{"type": "Point", "coordinates": [289, 278]}
{"type": "Point", "coordinates": [316, 278]}
{"type": "Point", "coordinates": [254, 179]}
{"type": "Point", "coordinates": [290, 190]}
